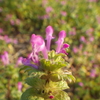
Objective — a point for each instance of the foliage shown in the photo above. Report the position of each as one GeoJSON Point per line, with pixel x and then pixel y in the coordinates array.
{"type": "Point", "coordinates": [80, 19]}
{"type": "Point", "coordinates": [46, 81]}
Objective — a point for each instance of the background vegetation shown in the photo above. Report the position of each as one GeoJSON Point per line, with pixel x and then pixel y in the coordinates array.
{"type": "Point", "coordinates": [79, 18]}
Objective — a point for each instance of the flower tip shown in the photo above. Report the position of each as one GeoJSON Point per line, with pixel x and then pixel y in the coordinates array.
{"type": "Point", "coordinates": [49, 30]}
{"type": "Point", "coordinates": [19, 86]}
{"type": "Point", "coordinates": [65, 45]}
{"type": "Point", "coordinates": [62, 34]}
{"type": "Point", "coordinates": [5, 52]}
{"type": "Point", "coordinates": [51, 97]}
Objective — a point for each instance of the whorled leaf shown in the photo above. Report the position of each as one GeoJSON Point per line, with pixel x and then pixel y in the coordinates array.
{"type": "Point", "coordinates": [29, 92]}
{"type": "Point", "coordinates": [50, 65]}
{"type": "Point", "coordinates": [53, 55]}
{"type": "Point", "coordinates": [61, 85]}
{"type": "Point", "coordinates": [36, 98]}
{"type": "Point", "coordinates": [29, 69]}
{"type": "Point", "coordinates": [35, 82]}
{"type": "Point", "coordinates": [61, 95]}
{"type": "Point", "coordinates": [62, 76]}
{"type": "Point", "coordinates": [70, 77]}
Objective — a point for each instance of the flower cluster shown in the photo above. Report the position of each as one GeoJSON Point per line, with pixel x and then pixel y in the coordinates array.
{"type": "Point", "coordinates": [8, 40]}
{"type": "Point", "coordinates": [39, 45]}
{"type": "Point", "coordinates": [49, 71]}
{"type": "Point", "coordinates": [5, 58]}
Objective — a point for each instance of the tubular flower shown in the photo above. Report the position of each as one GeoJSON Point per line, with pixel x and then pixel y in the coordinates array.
{"type": "Point", "coordinates": [38, 45]}
{"type": "Point", "coordinates": [60, 41]}
{"type": "Point", "coordinates": [64, 47]}
{"type": "Point", "coordinates": [19, 86]}
{"type": "Point", "coordinates": [19, 61]}
{"type": "Point", "coordinates": [27, 62]}
{"type": "Point", "coordinates": [49, 32]}
{"type": "Point", "coordinates": [5, 58]}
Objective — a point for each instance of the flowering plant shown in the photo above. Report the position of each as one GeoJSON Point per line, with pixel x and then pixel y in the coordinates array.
{"type": "Point", "coordinates": [10, 85]}
{"type": "Point", "coordinates": [47, 69]}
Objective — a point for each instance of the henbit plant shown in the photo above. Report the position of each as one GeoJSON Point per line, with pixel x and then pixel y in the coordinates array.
{"type": "Point", "coordinates": [47, 71]}
{"type": "Point", "coordinates": [10, 85]}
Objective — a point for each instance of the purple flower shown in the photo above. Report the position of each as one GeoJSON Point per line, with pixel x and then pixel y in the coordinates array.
{"type": "Point", "coordinates": [44, 2]}
{"type": "Point", "coordinates": [17, 21]}
{"type": "Point", "coordinates": [63, 2]}
{"type": "Point", "coordinates": [85, 53]}
{"type": "Point", "coordinates": [27, 62]}
{"type": "Point", "coordinates": [38, 45]}
{"type": "Point", "coordinates": [93, 73]}
{"type": "Point", "coordinates": [81, 46]}
{"type": "Point", "coordinates": [92, 0]}
{"type": "Point", "coordinates": [91, 38]}
{"type": "Point", "coordinates": [75, 49]}
{"type": "Point", "coordinates": [19, 86]}
{"type": "Point", "coordinates": [81, 84]}
{"type": "Point", "coordinates": [63, 49]}
{"type": "Point", "coordinates": [73, 31]}
{"type": "Point", "coordinates": [60, 41]}
{"type": "Point", "coordinates": [63, 22]}
{"type": "Point", "coordinates": [9, 40]}
{"type": "Point", "coordinates": [49, 32]}
{"type": "Point", "coordinates": [63, 13]}
{"type": "Point", "coordinates": [14, 41]}
{"type": "Point", "coordinates": [1, 37]}
{"type": "Point", "coordinates": [49, 9]}
{"type": "Point", "coordinates": [46, 16]}
{"type": "Point", "coordinates": [89, 31]}
{"type": "Point", "coordinates": [8, 17]}
{"type": "Point", "coordinates": [5, 58]}
{"type": "Point", "coordinates": [12, 22]}
{"type": "Point", "coordinates": [51, 97]}
{"type": "Point", "coordinates": [82, 38]}
{"type": "Point", "coordinates": [19, 61]}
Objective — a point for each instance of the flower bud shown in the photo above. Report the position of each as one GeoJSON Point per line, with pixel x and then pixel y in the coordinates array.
{"type": "Point", "coordinates": [60, 41]}
{"type": "Point", "coordinates": [49, 32]}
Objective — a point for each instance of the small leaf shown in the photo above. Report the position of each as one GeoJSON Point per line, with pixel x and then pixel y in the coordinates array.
{"type": "Point", "coordinates": [70, 77]}
{"type": "Point", "coordinates": [61, 85]}
{"type": "Point", "coordinates": [51, 54]}
{"type": "Point", "coordinates": [29, 92]}
{"type": "Point", "coordinates": [36, 98]}
{"type": "Point", "coordinates": [55, 77]}
{"type": "Point", "coordinates": [48, 65]}
{"type": "Point", "coordinates": [61, 96]}
{"type": "Point", "coordinates": [35, 82]}
{"type": "Point", "coordinates": [29, 69]}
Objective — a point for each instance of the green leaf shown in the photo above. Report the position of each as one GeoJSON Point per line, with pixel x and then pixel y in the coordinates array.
{"type": "Point", "coordinates": [61, 85]}
{"type": "Point", "coordinates": [29, 69]}
{"type": "Point", "coordinates": [36, 98]}
{"type": "Point", "coordinates": [62, 76]}
{"type": "Point", "coordinates": [51, 54]}
{"type": "Point", "coordinates": [55, 61]}
{"type": "Point", "coordinates": [61, 96]}
{"type": "Point", "coordinates": [29, 92]}
{"type": "Point", "coordinates": [48, 65]}
{"type": "Point", "coordinates": [55, 77]}
{"type": "Point", "coordinates": [70, 77]}
{"type": "Point", "coordinates": [35, 82]}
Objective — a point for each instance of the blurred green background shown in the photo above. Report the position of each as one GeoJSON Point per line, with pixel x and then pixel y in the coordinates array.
{"type": "Point", "coordinates": [79, 18]}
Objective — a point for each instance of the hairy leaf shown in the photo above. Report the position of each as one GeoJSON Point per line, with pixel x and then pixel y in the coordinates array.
{"type": "Point", "coordinates": [29, 92]}
{"type": "Point", "coordinates": [61, 96]}
{"type": "Point", "coordinates": [35, 82]}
